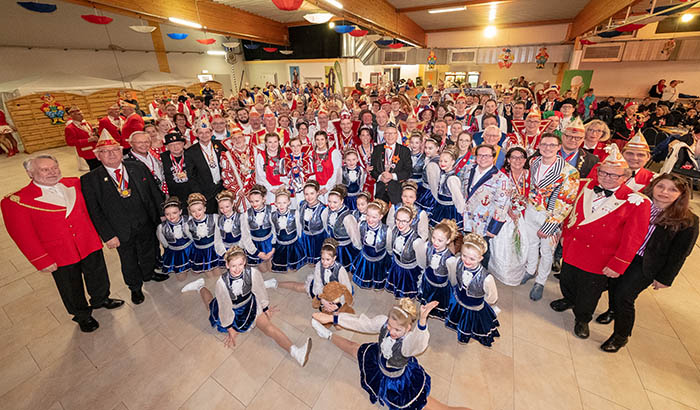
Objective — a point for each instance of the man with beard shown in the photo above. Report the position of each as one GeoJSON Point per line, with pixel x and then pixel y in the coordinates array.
{"type": "Point", "coordinates": [241, 119]}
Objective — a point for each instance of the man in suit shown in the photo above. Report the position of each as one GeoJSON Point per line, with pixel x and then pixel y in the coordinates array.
{"type": "Point", "coordinates": [204, 159]}
{"type": "Point", "coordinates": [132, 123]}
{"type": "Point", "coordinates": [600, 238]}
{"type": "Point", "coordinates": [113, 123]}
{"type": "Point", "coordinates": [50, 224]}
{"type": "Point", "coordinates": [391, 166]}
{"type": "Point", "coordinates": [124, 200]}
{"type": "Point", "coordinates": [79, 134]}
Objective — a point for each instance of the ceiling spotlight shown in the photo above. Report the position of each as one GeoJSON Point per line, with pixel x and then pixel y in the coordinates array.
{"type": "Point", "coordinates": [687, 17]}
{"type": "Point", "coordinates": [447, 10]}
{"type": "Point", "coordinates": [216, 52]}
{"type": "Point", "coordinates": [490, 32]}
{"type": "Point", "coordinates": [318, 18]}
{"type": "Point", "coordinates": [184, 22]}
{"type": "Point", "coordinates": [335, 3]}
{"type": "Point", "coordinates": [331, 24]}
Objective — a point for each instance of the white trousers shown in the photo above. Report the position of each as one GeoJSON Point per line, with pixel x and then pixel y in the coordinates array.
{"type": "Point", "coordinates": [540, 251]}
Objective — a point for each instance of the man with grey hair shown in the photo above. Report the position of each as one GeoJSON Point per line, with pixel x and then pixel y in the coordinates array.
{"type": "Point", "coordinates": [140, 143]}
{"type": "Point", "coordinates": [50, 224]}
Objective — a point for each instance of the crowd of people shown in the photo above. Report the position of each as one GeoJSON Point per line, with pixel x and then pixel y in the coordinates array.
{"type": "Point", "coordinates": [431, 195]}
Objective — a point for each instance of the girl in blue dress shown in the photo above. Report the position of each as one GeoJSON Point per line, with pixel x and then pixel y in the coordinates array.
{"type": "Point", "coordinates": [229, 221]}
{"type": "Point", "coordinates": [447, 190]}
{"type": "Point", "coordinates": [363, 199]}
{"type": "Point", "coordinates": [420, 222]}
{"type": "Point", "coordinates": [172, 234]}
{"type": "Point", "coordinates": [353, 177]}
{"type": "Point", "coordinates": [342, 226]}
{"type": "Point", "coordinates": [431, 170]}
{"type": "Point", "coordinates": [473, 292]}
{"type": "Point", "coordinates": [241, 301]}
{"type": "Point", "coordinates": [312, 213]}
{"type": "Point", "coordinates": [389, 371]}
{"type": "Point", "coordinates": [202, 229]}
{"type": "Point", "coordinates": [404, 244]}
{"type": "Point", "coordinates": [415, 143]}
{"type": "Point", "coordinates": [289, 254]}
{"type": "Point", "coordinates": [256, 224]}
{"type": "Point", "coordinates": [371, 265]}
{"type": "Point", "coordinates": [436, 259]}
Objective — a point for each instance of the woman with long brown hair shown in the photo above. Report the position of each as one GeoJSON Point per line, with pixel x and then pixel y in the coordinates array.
{"type": "Point", "coordinates": [673, 230]}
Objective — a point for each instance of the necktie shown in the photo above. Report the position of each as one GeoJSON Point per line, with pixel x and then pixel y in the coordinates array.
{"type": "Point", "coordinates": [123, 183]}
{"type": "Point", "coordinates": [598, 189]}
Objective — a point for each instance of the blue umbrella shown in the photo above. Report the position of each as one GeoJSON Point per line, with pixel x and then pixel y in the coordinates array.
{"type": "Point", "coordinates": [384, 42]}
{"type": "Point", "coordinates": [178, 36]}
{"type": "Point", "coordinates": [38, 7]}
{"type": "Point", "coordinates": [609, 34]}
{"type": "Point", "coordinates": [251, 46]}
{"type": "Point", "coordinates": [342, 29]}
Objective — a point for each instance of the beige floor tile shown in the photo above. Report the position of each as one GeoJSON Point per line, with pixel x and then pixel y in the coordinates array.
{"type": "Point", "coordinates": [665, 367]}
{"type": "Point", "coordinates": [273, 396]}
{"type": "Point", "coordinates": [211, 396]}
{"type": "Point", "coordinates": [31, 304]}
{"type": "Point", "coordinates": [56, 406]}
{"type": "Point", "coordinates": [439, 388]}
{"type": "Point", "coordinates": [659, 402]}
{"type": "Point", "coordinates": [19, 334]}
{"type": "Point", "coordinates": [504, 343]}
{"type": "Point", "coordinates": [343, 391]}
{"type": "Point", "coordinates": [443, 349]}
{"type": "Point", "coordinates": [39, 280]}
{"type": "Point", "coordinates": [64, 339]}
{"type": "Point", "coordinates": [42, 390]}
{"type": "Point", "coordinates": [16, 368]}
{"type": "Point", "coordinates": [611, 376]}
{"type": "Point", "coordinates": [594, 402]}
{"type": "Point", "coordinates": [543, 379]}
{"type": "Point", "coordinates": [537, 323]}
{"type": "Point", "coordinates": [253, 362]}
{"type": "Point", "coordinates": [14, 291]}
{"type": "Point", "coordinates": [648, 314]}
{"type": "Point", "coordinates": [5, 321]}
{"type": "Point", "coordinates": [483, 379]}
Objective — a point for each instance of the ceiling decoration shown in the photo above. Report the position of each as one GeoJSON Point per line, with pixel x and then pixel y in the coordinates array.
{"type": "Point", "coordinates": [95, 19]}
{"type": "Point", "coordinates": [288, 5]}
{"type": "Point", "coordinates": [343, 28]}
{"type": "Point", "coordinates": [178, 36]}
{"type": "Point", "coordinates": [206, 41]}
{"type": "Point", "coordinates": [318, 18]}
{"type": "Point", "coordinates": [143, 29]}
{"type": "Point", "coordinates": [358, 32]}
{"type": "Point", "coordinates": [38, 7]}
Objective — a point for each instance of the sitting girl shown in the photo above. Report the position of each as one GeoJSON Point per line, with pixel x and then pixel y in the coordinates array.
{"type": "Point", "coordinates": [241, 301]}
{"type": "Point", "coordinates": [172, 234]}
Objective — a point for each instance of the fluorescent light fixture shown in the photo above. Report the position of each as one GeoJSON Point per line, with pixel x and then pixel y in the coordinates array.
{"type": "Point", "coordinates": [492, 13]}
{"type": "Point", "coordinates": [490, 32]}
{"type": "Point", "coordinates": [687, 17]}
{"type": "Point", "coordinates": [216, 52]}
{"type": "Point", "coordinates": [318, 18]}
{"type": "Point", "coordinates": [184, 22]}
{"type": "Point", "coordinates": [446, 10]}
{"type": "Point", "coordinates": [331, 24]}
{"type": "Point", "coordinates": [205, 71]}
{"type": "Point", "coordinates": [335, 3]}
{"type": "Point", "coordinates": [410, 43]}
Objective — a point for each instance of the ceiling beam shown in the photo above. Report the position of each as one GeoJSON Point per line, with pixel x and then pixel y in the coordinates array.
{"type": "Point", "coordinates": [216, 18]}
{"type": "Point", "coordinates": [468, 3]}
{"type": "Point", "coordinates": [379, 16]}
{"type": "Point", "coordinates": [596, 12]}
{"type": "Point", "coordinates": [502, 26]}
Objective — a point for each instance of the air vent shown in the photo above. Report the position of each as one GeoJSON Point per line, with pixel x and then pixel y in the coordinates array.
{"type": "Point", "coordinates": [394, 57]}
{"type": "Point", "coordinates": [603, 52]}
{"type": "Point", "coordinates": [462, 56]}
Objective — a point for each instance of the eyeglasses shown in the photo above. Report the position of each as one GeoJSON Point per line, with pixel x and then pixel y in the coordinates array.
{"type": "Point", "coordinates": [603, 174]}
{"type": "Point", "coordinates": [484, 156]}
{"type": "Point", "coordinates": [402, 221]}
{"type": "Point", "coordinates": [572, 137]}
{"type": "Point", "coordinates": [596, 131]}
{"type": "Point", "coordinates": [549, 145]}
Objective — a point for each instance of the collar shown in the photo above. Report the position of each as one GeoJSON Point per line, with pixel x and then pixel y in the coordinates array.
{"type": "Point", "coordinates": [46, 186]}
{"type": "Point", "coordinates": [111, 170]}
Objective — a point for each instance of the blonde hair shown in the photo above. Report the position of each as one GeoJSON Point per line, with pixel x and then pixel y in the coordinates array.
{"type": "Point", "coordinates": [409, 210]}
{"type": "Point", "coordinates": [449, 228]}
{"type": "Point", "coordinates": [476, 242]}
{"type": "Point", "coordinates": [330, 245]}
{"type": "Point", "coordinates": [606, 129]}
{"type": "Point", "coordinates": [283, 192]}
{"type": "Point", "coordinates": [258, 189]}
{"type": "Point", "coordinates": [405, 312]}
{"type": "Point", "coordinates": [196, 198]}
{"type": "Point", "coordinates": [235, 252]}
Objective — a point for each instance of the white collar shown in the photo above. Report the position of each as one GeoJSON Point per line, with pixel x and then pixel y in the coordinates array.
{"type": "Point", "coordinates": [111, 170]}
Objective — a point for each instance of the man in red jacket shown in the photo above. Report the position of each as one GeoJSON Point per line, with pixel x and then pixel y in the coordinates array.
{"type": "Point", "coordinates": [133, 123]}
{"type": "Point", "coordinates": [600, 238]}
{"type": "Point", "coordinates": [113, 123]}
{"type": "Point", "coordinates": [49, 222]}
{"type": "Point", "coordinates": [79, 134]}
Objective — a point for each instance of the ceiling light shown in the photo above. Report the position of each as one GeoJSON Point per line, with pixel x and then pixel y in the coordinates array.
{"type": "Point", "coordinates": [492, 13]}
{"type": "Point", "coordinates": [335, 3]}
{"type": "Point", "coordinates": [490, 32]}
{"type": "Point", "coordinates": [216, 52]}
{"type": "Point", "coordinates": [184, 22]}
{"type": "Point", "coordinates": [447, 10]}
{"type": "Point", "coordinates": [687, 17]}
{"type": "Point", "coordinates": [205, 71]}
{"type": "Point", "coordinates": [331, 24]}
{"type": "Point", "coordinates": [318, 18]}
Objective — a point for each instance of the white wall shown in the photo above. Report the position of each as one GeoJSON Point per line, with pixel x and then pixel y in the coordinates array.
{"type": "Point", "coordinates": [260, 72]}
{"type": "Point", "coordinates": [554, 33]}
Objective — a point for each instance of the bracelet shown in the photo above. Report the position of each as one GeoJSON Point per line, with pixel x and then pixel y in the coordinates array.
{"type": "Point", "coordinates": [422, 327]}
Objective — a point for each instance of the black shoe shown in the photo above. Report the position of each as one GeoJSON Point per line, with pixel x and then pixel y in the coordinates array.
{"type": "Point", "coordinates": [88, 325]}
{"type": "Point", "coordinates": [137, 297]}
{"type": "Point", "coordinates": [157, 277]}
{"type": "Point", "coordinates": [556, 276]}
{"type": "Point", "coordinates": [614, 343]}
{"type": "Point", "coordinates": [581, 330]}
{"type": "Point", "coordinates": [561, 305]}
{"type": "Point", "coordinates": [110, 304]}
{"type": "Point", "coordinates": [556, 266]}
{"type": "Point", "coordinates": [605, 317]}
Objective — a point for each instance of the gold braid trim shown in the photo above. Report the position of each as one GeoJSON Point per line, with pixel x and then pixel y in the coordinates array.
{"type": "Point", "coordinates": [15, 199]}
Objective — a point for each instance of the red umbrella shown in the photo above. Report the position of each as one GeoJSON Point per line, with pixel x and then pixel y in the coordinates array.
{"type": "Point", "coordinates": [395, 45]}
{"type": "Point", "coordinates": [207, 41]}
{"type": "Point", "coordinates": [95, 19]}
{"type": "Point", "coordinates": [358, 32]}
{"type": "Point", "coordinates": [270, 49]}
{"type": "Point", "coordinates": [585, 42]}
{"type": "Point", "coordinates": [288, 5]}
{"type": "Point", "coordinates": [630, 27]}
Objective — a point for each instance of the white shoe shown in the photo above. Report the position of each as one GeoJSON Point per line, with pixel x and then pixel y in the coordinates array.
{"type": "Point", "coordinates": [301, 354]}
{"type": "Point", "coordinates": [271, 284]}
{"type": "Point", "coordinates": [321, 330]}
{"type": "Point", "coordinates": [195, 285]}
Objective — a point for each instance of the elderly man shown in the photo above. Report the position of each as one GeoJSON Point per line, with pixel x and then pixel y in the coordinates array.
{"type": "Point", "coordinates": [140, 143]}
{"type": "Point", "coordinates": [323, 124]}
{"type": "Point", "coordinates": [381, 127]}
{"type": "Point", "coordinates": [600, 238]}
{"type": "Point", "coordinates": [204, 159]}
{"type": "Point", "coordinates": [219, 130]}
{"type": "Point", "coordinates": [79, 134]}
{"type": "Point", "coordinates": [492, 136]}
{"type": "Point", "coordinates": [487, 121]}
{"type": "Point", "coordinates": [528, 133]}
{"type": "Point", "coordinates": [123, 200]}
{"type": "Point", "coordinates": [132, 123]}
{"type": "Point", "coordinates": [391, 166]}
{"type": "Point", "coordinates": [50, 224]}
{"type": "Point", "coordinates": [112, 122]}
{"type": "Point", "coordinates": [636, 152]}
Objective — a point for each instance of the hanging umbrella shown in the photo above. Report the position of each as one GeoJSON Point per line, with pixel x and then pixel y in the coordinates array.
{"type": "Point", "coordinates": [358, 32]}
{"type": "Point", "coordinates": [609, 34]}
{"type": "Point", "coordinates": [671, 12]}
{"type": "Point", "coordinates": [629, 27]}
{"type": "Point", "coordinates": [318, 18]}
{"type": "Point", "coordinates": [38, 7]}
{"type": "Point", "coordinates": [288, 5]}
{"type": "Point", "coordinates": [343, 28]}
{"type": "Point", "coordinates": [95, 19]}
{"type": "Point", "coordinates": [206, 41]}
{"type": "Point", "coordinates": [384, 42]}
{"type": "Point", "coordinates": [270, 49]}
{"type": "Point", "coordinates": [143, 29]}
{"type": "Point", "coordinates": [232, 44]}
{"type": "Point", "coordinates": [251, 46]}
{"type": "Point", "coordinates": [395, 45]}
{"type": "Point", "coordinates": [286, 52]}
{"type": "Point", "coordinates": [178, 36]}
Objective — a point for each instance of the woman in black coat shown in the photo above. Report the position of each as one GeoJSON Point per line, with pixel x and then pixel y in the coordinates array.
{"type": "Point", "coordinates": [673, 230]}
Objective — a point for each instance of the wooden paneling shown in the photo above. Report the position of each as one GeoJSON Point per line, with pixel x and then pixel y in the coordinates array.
{"type": "Point", "coordinates": [217, 18]}
{"type": "Point", "coordinates": [159, 47]}
{"type": "Point", "coordinates": [596, 12]}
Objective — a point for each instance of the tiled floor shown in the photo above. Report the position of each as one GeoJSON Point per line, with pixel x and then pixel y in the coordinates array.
{"type": "Point", "coordinates": [163, 354]}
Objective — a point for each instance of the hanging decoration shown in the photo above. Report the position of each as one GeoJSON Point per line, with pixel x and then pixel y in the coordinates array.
{"type": "Point", "coordinates": [288, 5]}
{"type": "Point", "coordinates": [609, 34]}
{"type": "Point", "coordinates": [541, 58]}
{"type": "Point", "coordinates": [395, 46]}
{"type": "Point", "coordinates": [38, 7]}
{"type": "Point", "coordinates": [95, 19]}
{"type": "Point", "coordinates": [270, 49]}
{"type": "Point", "coordinates": [232, 44]}
{"type": "Point", "coordinates": [358, 32]}
{"type": "Point", "coordinates": [629, 27]}
{"type": "Point", "coordinates": [53, 109]}
{"type": "Point", "coordinates": [318, 18]}
{"type": "Point", "coordinates": [383, 42]}
{"type": "Point", "coordinates": [143, 29]}
{"type": "Point", "coordinates": [506, 58]}
{"type": "Point", "coordinates": [286, 52]}
{"type": "Point", "coordinates": [432, 60]}
{"type": "Point", "coordinates": [668, 47]}
{"type": "Point", "coordinates": [251, 46]}
{"type": "Point", "coordinates": [206, 41]}
{"type": "Point", "coordinates": [178, 36]}
{"type": "Point", "coordinates": [585, 42]}
{"type": "Point", "coordinates": [343, 28]}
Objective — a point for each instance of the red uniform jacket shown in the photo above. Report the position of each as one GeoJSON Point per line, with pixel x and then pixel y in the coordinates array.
{"type": "Point", "coordinates": [133, 123]}
{"type": "Point", "coordinates": [77, 137]}
{"type": "Point", "coordinates": [113, 130]}
{"type": "Point", "coordinates": [611, 235]}
{"type": "Point", "coordinates": [43, 233]}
